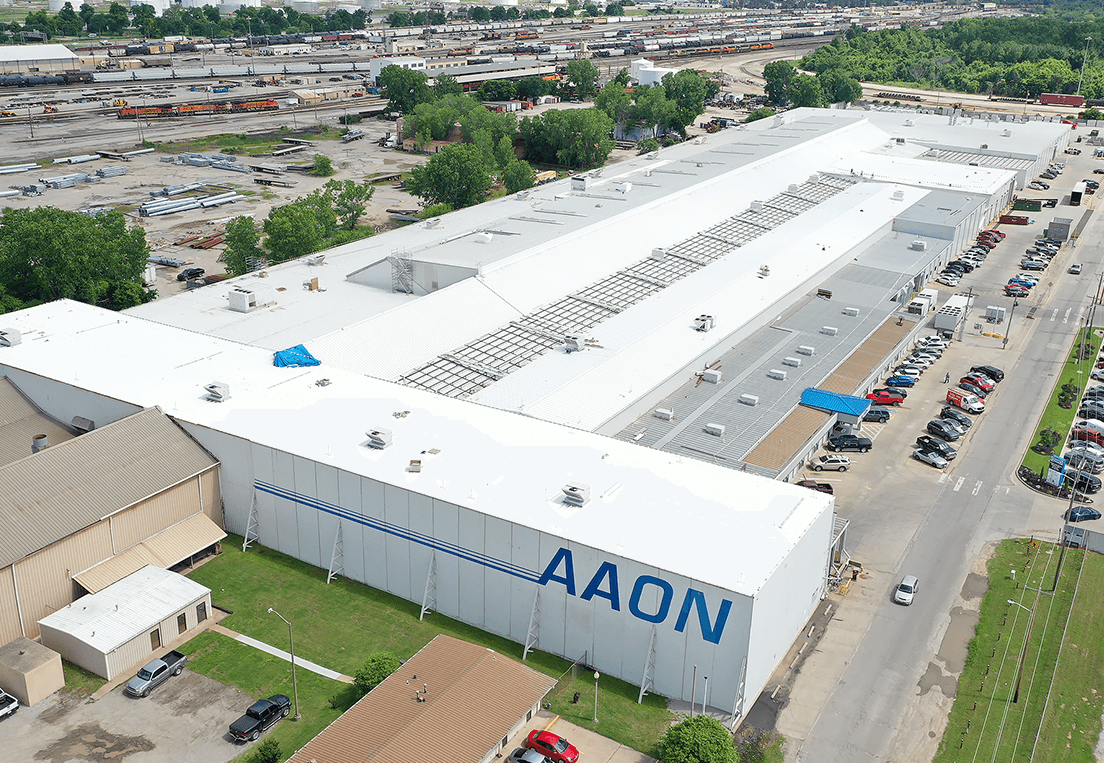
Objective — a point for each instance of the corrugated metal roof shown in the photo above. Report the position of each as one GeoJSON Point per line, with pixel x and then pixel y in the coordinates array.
{"type": "Point", "coordinates": [108, 619]}
{"type": "Point", "coordinates": [778, 447]}
{"type": "Point", "coordinates": [20, 421]}
{"type": "Point", "coordinates": [834, 402]}
{"type": "Point", "coordinates": [54, 493]}
{"type": "Point", "coordinates": [165, 549]}
{"type": "Point", "coordinates": [474, 696]}
{"type": "Point", "coordinates": [25, 53]}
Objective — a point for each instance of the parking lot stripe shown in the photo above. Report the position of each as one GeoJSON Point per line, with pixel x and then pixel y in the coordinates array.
{"type": "Point", "coordinates": [977, 487]}
{"type": "Point", "coordinates": [1054, 315]}
{"type": "Point", "coordinates": [959, 483]}
{"type": "Point", "coordinates": [942, 477]}
{"type": "Point", "coordinates": [1066, 319]}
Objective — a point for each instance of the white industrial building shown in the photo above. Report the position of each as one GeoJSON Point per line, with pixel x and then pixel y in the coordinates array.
{"type": "Point", "coordinates": [37, 59]}
{"type": "Point", "coordinates": [377, 65]}
{"type": "Point", "coordinates": [504, 425]}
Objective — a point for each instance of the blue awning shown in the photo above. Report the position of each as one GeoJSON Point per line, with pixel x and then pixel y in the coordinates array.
{"type": "Point", "coordinates": [833, 402]}
{"type": "Point", "coordinates": [294, 357]}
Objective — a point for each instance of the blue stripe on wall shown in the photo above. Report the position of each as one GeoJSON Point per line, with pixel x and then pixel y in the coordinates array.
{"type": "Point", "coordinates": [400, 532]}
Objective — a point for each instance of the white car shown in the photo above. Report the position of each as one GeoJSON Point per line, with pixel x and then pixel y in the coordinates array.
{"type": "Point", "coordinates": [832, 462]}
{"type": "Point", "coordinates": [1097, 374]}
{"type": "Point", "coordinates": [1086, 445]}
{"type": "Point", "coordinates": [913, 371]}
{"type": "Point", "coordinates": [931, 458]}
{"type": "Point", "coordinates": [919, 360]}
{"type": "Point", "coordinates": [906, 590]}
{"type": "Point", "coordinates": [936, 339]}
{"type": "Point", "coordinates": [947, 281]}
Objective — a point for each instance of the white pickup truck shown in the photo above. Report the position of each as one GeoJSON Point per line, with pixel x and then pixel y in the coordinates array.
{"type": "Point", "coordinates": [8, 704]}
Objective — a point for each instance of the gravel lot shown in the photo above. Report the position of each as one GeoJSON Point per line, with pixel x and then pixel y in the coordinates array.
{"type": "Point", "coordinates": [183, 721]}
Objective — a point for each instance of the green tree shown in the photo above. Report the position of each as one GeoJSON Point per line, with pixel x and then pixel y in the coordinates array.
{"type": "Point", "coordinates": [615, 9]}
{"type": "Point", "coordinates": [1094, 114]}
{"type": "Point", "coordinates": [779, 75]}
{"type": "Point", "coordinates": [698, 740]}
{"type": "Point", "coordinates": [498, 89]}
{"type": "Point", "coordinates": [446, 84]}
{"type": "Point", "coordinates": [405, 88]}
{"type": "Point", "coordinates": [436, 119]}
{"type": "Point", "coordinates": [291, 231]}
{"type": "Point", "coordinates": [582, 77]}
{"type": "Point", "coordinates": [534, 87]}
{"type": "Point", "coordinates": [838, 87]}
{"type": "Point", "coordinates": [143, 12]}
{"type": "Point", "coordinates": [68, 22]}
{"type": "Point", "coordinates": [805, 90]}
{"type": "Point", "coordinates": [623, 78]}
{"type": "Point", "coordinates": [349, 200]}
{"type": "Point", "coordinates": [615, 101]}
{"type": "Point", "coordinates": [48, 254]}
{"type": "Point", "coordinates": [457, 176]}
{"type": "Point", "coordinates": [757, 114]}
{"type": "Point", "coordinates": [496, 124]}
{"type": "Point", "coordinates": [689, 90]}
{"type": "Point", "coordinates": [647, 145]}
{"type": "Point", "coordinates": [86, 13]}
{"type": "Point", "coordinates": [571, 137]}
{"type": "Point", "coordinates": [243, 246]}
{"type": "Point", "coordinates": [267, 751]}
{"type": "Point", "coordinates": [435, 210]}
{"type": "Point", "coordinates": [323, 166]}
{"type": "Point", "coordinates": [373, 670]}
{"type": "Point", "coordinates": [517, 176]}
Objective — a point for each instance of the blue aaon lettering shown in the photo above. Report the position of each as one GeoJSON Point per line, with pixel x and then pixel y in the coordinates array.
{"type": "Point", "coordinates": [603, 585]}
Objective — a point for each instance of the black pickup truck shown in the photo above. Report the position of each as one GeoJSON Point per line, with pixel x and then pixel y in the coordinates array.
{"type": "Point", "coordinates": [260, 715]}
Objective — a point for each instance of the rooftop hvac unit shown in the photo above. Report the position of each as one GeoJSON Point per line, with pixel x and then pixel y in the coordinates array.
{"type": "Point", "coordinates": [316, 259]}
{"type": "Point", "coordinates": [984, 146]}
{"type": "Point", "coordinates": [806, 349]}
{"type": "Point", "coordinates": [576, 493]}
{"type": "Point", "coordinates": [774, 373]}
{"type": "Point", "coordinates": [919, 245]}
{"type": "Point", "coordinates": [752, 400]}
{"type": "Point", "coordinates": [580, 182]}
{"type": "Point", "coordinates": [1006, 134]}
{"type": "Point", "coordinates": [246, 300]}
{"type": "Point", "coordinates": [664, 414]}
{"type": "Point", "coordinates": [217, 392]}
{"type": "Point", "coordinates": [574, 343]}
{"type": "Point", "coordinates": [658, 254]}
{"type": "Point", "coordinates": [778, 121]}
{"type": "Point", "coordinates": [851, 311]}
{"type": "Point", "coordinates": [898, 195]}
{"type": "Point", "coordinates": [814, 178]}
{"type": "Point", "coordinates": [829, 330]}
{"type": "Point", "coordinates": [711, 375]}
{"type": "Point", "coordinates": [82, 425]}
{"type": "Point", "coordinates": [994, 314]}
{"type": "Point", "coordinates": [703, 323]}
{"type": "Point", "coordinates": [10, 337]}
{"type": "Point", "coordinates": [789, 361]}
{"type": "Point", "coordinates": [717, 430]}
{"type": "Point", "coordinates": [908, 123]}
{"type": "Point", "coordinates": [900, 140]}
{"type": "Point", "coordinates": [483, 237]}
{"type": "Point", "coordinates": [624, 187]}
{"type": "Point", "coordinates": [756, 206]}
{"type": "Point", "coordinates": [379, 438]}
{"type": "Point", "coordinates": [793, 188]}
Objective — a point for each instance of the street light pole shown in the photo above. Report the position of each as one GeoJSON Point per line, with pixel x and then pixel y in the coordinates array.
{"type": "Point", "coordinates": [294, 680]}
{"type": "Point", "coordinates": [596, 696]}
{"type": "Point", "coordinates": [1083, 62]}
{"type": "Point", "coordinates": [1023, 654]}
{"type": "Point", "coordinates": [1009, 329]}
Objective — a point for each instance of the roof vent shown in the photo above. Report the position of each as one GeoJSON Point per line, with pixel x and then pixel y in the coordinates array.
{"type": "Point", "coordinates": [483, 237]}
{"type": "Point", "coordinates": [316, 259]}
{"type": "Point", "coordinates": [791, 361]}
{"type": "Point", "coordinates": [717, 430]}
{"type": "Point", "coordinates": [698, 141]}
{"type": "Point", "coordinates": [851, 311]}
{"type": "Point", "coordinates": [898, 195]}
{"type": "Point", "coordinates": [829, 330]}
{"type": "Point", "coordinates": [664, 413]}
{"type": "Point", "coordinates": [624, 187]}
{"type": "Point", "coordinates": [576, 493]}
{"type": "Point", "coordinates": [580, 182]}
{"type": "Point", "coordinates": [756, 206]}
{"type": "Point", "coordinates": [814, 178]}
{"type": "Point", "coordinates": [908, 123]}
{"type": "Point", "coordinates": [774, 373]}
{"type": "Point", "coordinates": [39, 442]}
{"type": "Point", "coordinates": [658, 254]}
{"type": "Point", "coordinates": [752, 400]}
{"type": "Point", "coordinates": [919, 245]}
{"type": "Point", "coordinates": [379, 438]}
{"type": "Point", "coordinates": [10, 337]}
{"type": "Point", "coordinates": [984, 146]}
{"type": "Point", "coordinates": [82, 425]}
{"type": "Point", "coordinates": [651, 155]}
{"type": "Point", "coordinates": [217, 392]}
{"type": "Point", "coordinates": [1006, 134]}
{"type": "Point", "coordinates": [703, 323]}
{"type": "Point", "coordinates": [779, 121]}
{"type": "Point", "coordinates": [711, 375]}
{"type": "Point", "coordinates": [793, 188]}
{"type": "Point", "coordinates": [806, 350]}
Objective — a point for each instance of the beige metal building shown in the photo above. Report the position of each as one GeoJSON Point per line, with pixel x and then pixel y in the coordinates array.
{"type": "Point", "coordinates": [30, 671]}
{"type": "Point", "coordinates": [451, 689]}
{"type": "Point", "coordinates": [89, 510]}
{"type": "Point", "coordinates": [122, 625]}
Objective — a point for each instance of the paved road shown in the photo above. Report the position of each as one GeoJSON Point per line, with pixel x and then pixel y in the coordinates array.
{"type": "Point", "coordinates": [946, 520]}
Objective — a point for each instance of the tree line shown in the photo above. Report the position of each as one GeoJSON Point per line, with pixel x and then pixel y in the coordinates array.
{"type": "Point", "coordinates": [1009, 57]}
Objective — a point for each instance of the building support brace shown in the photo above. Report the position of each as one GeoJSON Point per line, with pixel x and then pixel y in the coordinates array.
{"type": "Point", "coordinates": [251, 524]}
{"type": "Point", "coordinates": [737, 711]}
{"type": "Point", "coordinates": [337, 558]}
{"type": "Point", "coordinates": [429, 598]}
{"type": "Point", "coordinates": [532, 637]}
{"type": "Point", "coordinates": [647, 681]}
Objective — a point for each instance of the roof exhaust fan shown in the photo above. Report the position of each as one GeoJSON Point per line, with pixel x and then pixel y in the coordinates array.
{"type": "Point", "coordinates": [576, 493]}
{"type": "Point", "coordinates": [217, 392]}
{"type": "Point", "coordinates": [10, 337]}
{"type": "Point", "coordinates": [379, 438]}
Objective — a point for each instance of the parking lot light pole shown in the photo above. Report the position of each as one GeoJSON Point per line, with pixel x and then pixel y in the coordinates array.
{"type": "Point", "coordinates": [596, 696]}
{"type": "Point", "coordinates": [1023, 653]}
{"type": "Point", "coordinates": [1012, 312]}
{"type": "Point", "coordinates": [294, 680]}
{"type": "Point", "coordinates": [1083, 62]}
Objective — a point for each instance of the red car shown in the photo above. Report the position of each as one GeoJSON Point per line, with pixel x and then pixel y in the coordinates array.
{"type": "Point", "coordinates": [1087, 434]}
{"type": "Point", "coordinates": [994, 232]}
{"type": "Point", "coordinates": [820, 487]}
{"type": "Point", "coordinates": [885, 397]}
{"type": "Point", "coordinates": [978, 380]}
{"type": "Point", "coordinates": [552, 746]}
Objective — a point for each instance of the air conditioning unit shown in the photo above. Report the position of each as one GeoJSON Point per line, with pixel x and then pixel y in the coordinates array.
{"type": "Point", "coordinates": [752, 400]}
{"type": "Point", "coordinates": [574, 343]}
{"type": "Point", "coordinates": [217, 392]}
{"type": "Point", "coordinates": [664, 414]}
{"type": "Point", "coordinates": [829, 330]}
{"type": "Point", "coordinates": [580, 182]}
{"type": "Point", "coordinates": [658, 254]}
{"type": "Point", "coordinates": [774, 373]}
{"type": "Point", "coordinates": [717, 430]}
{"type": "Point", "coordinates": [379, 438]}
{"type": "Point", "coordinates": [920, 245]}
{"type": "Point", "coordinates": [806, 350]}
{"type": "Point", "coordinates": [712, 376]}
{"type": "Point", "coordinates": [10, 337]}
{"type": "Point", "coordinates": [756, 206]}
{"type": "Point", "coordinates": [851, 311]}
{"type": "Point", "coordinates": [795, 362]}
{"type": "Point", "coordinates": [316, 259]}
{"type": "Point", "coordinates": [576, 493]}
{"type": "Point", "coordinates": [82, 425]}
{"type": "Point", "coordinates": [703, 323]}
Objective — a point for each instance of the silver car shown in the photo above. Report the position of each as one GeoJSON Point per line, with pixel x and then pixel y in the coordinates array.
{"type": "Point", "coordinates": [906, 590]}
{"type": "Point", "coordinates": [931, 458]}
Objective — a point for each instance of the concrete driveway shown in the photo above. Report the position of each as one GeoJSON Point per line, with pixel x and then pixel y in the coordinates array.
{"type": "Point", "coordinates": [183, 721]}
{"type": "Point", "coordinates": [592, 747]}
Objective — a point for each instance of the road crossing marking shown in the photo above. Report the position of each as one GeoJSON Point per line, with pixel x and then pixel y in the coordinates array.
{"type": "Point", "coordinates": [1078, 316]}
{"type": "Point", "coordinates": [977, 487]}
{"type": "Point", "coordinates": [1054, 315]}
{"type": "Point", "coordinates": [1066, 319]}
{"type": "Point", "coordinates": [959, 483]}
{"type": "Point", "coordinates": [942, 477]}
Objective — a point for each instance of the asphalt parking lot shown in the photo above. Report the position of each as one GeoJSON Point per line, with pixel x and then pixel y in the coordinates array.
{"type": "Point", "coordinates": [183, 721]}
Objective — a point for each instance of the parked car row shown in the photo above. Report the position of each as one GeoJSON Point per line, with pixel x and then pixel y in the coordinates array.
{"type": "Point", "coordinates": [971, 259]}
{"type": "Point", "coordinates": [1037, 258]}
{"type": "Point", "coordinates": [1050, 173]}
{"type": "Point", "coordinates": [1085, 457]}
{"type": "Point", "coordinates": [934, 448]}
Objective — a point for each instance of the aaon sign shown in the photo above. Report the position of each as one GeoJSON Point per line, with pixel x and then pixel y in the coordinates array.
{"type": "Point", "coordinates": [604, 585]}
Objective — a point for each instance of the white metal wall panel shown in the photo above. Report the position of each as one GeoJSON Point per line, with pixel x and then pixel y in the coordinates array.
{"type": "Point", "coordinates": [420, 509]}
{"type": "Point", "coordinates": [235, 475]}
{"type": "Point", "coordinates": [524, 552]}
{"type": "Point", "coordinates": [497, 532]}
{"type": "Point", "coordinates": [266, 502]}
{"type": "Point", "coordinates": [446, 529]}
{"type": "Point", "coordinates": [326, 485]}
{"type": "Point", "coordinates": [287, 530]}
{"type": "Point", "coordinates": [309, 517]}
{"type": "Point", "coordinates": [473, 580]}
{"type": "Point", "coordinates": [579, 635]}
{"type": "Point", "coordinates": [397, 513]}
{"type": "Point", "coordinates": [375, 542]}
{"type": "Point", "coordinates": [553, 598]}
{"type": "Point", "coordinates": [64, 401]}
{"type": "Point", "coordinates": [352, 533]}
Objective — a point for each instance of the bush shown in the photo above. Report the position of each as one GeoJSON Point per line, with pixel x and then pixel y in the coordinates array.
{"type": "Point", "coordinates": [648, 144]}
{"type": "Point", "coordinates": [377, 667]}
{"type": "Point", "coordinates": [757, 114]}
{"type": "Point", "coordinates": [267, 751]}
{"type": "Point", "coordinates": [698, 740]}
{"type": "Point", "coordinates": [323, 166]}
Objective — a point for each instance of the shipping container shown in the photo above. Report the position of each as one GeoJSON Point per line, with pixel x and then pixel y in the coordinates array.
{"type": "Point", "coordinates": [1057, 99]}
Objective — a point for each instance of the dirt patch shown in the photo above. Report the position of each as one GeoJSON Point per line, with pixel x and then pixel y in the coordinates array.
{"type": "Point", "coordinates": [57, 712]}
{"type": "Point", "coordinates": [975, 586]}
{"type": "Point", "coordinates": [952, 651]}
{"type": "Point", "coordinates": [90, 741]}
{"type": "Point", "coordinates": [934, 676]}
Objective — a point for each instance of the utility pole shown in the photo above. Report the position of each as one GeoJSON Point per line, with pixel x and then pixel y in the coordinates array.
{"type": "Point", "coordinates": [1009, 329]}
{"type": "Point", "coordinates": [1083, 62]}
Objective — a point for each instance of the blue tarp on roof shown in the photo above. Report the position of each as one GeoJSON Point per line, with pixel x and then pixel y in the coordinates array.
{"type": "Point", "coordinates": [294, 357]}
{"type": "Point", "coordinates": [833, 402]}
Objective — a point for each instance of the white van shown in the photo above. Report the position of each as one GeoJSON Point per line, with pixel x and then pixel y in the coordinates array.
{"type": "Point", "coordinates": [1092, 426]}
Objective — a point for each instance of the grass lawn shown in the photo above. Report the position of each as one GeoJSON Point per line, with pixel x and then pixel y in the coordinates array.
{"type": "Point", "coordinates": [985, 724]}
{"type": "Point", "coordinates": [250, 144]}
{"type": "Point", "coordinates": [260, 675]}
{"type": "Point", "coordinates": [1056, 417]}
{"type": "Point", "coordinates": [340, 624]}
{"type": "Point", "coordinates": [79, 681]}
